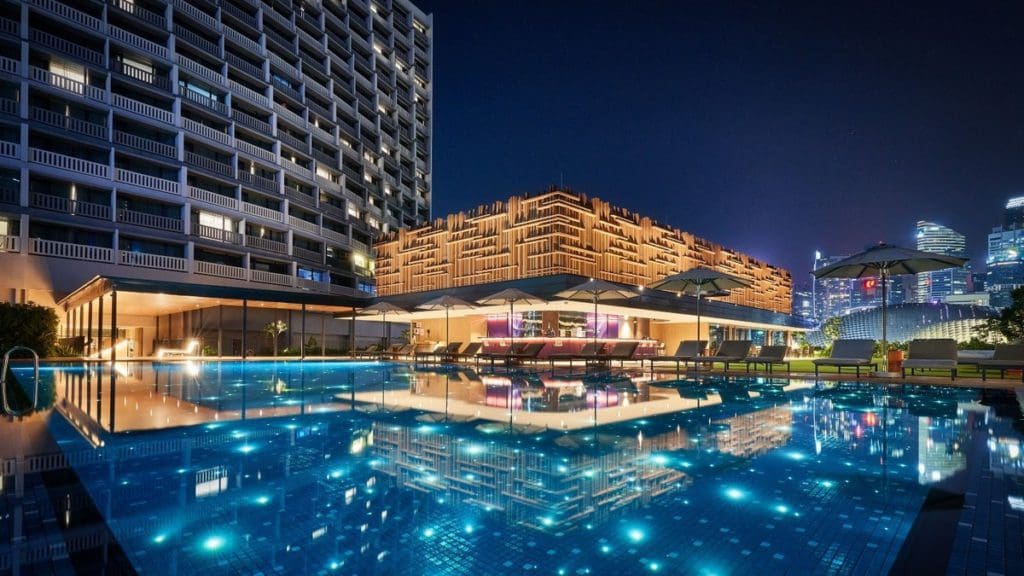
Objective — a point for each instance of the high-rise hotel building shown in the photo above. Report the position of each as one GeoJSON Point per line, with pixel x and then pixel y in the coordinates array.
{"type": "Point", "coordinates": [235, 142]}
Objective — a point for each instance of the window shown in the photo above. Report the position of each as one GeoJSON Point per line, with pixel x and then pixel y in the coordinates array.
{"type": "Point", "coordinates": [214, 220]}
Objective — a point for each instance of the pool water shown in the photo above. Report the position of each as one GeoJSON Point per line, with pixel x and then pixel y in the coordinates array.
{"type": "Point", "coordinates": [373, 468]}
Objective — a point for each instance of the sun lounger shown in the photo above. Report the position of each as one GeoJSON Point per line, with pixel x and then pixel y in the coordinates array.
{"type": "Point", "coordinates": [1006, 357]}
{"type": "Point", "coordinates": [425, 352]}
{"type": "Point", "coordinates": [527, 352]}
{"type": "Point", "coordinates": [501, 353]}
{"type": "Point", "coordinates": [855, 353]}
{"type": "Point", "coordinates": [731, 351]}
{"type": "Point", "coordinates": [620, 351]}
{"type": "Point", "coordinates": [686, 351]}
{"type": "Point", "coordinates": [402, 351]}
{"type": "Point", "coordinates": [589, 351]}
{"type": "Point", "coordinates": [768, 356]}
{"type": "Point", "coordinates": [371, 351]}
{"type": "Point", "coordinates": [469, 352]}
{"type": "Point", "coordinates": [931, 354]}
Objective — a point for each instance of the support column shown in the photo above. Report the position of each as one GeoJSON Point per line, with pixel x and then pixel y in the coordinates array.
{"type": "Point", "coordinates": [113, 358]}
{"type": "Point", "coordinates": [302, 335]}
{"type": "Point", "coordinates": [245, 326]}
{"type": "Point", "coordinates": [220, 330]}
{"type": "Point", "coordinates": [352, 334]}
{"type": "Point", "coordinates": [88, 336]}
{"type": "Point", "coordinates": [323, 334]}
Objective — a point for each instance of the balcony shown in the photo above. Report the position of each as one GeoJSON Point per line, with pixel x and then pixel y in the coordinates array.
{"type": "Point", "coordinates": [205, 101]}
{"type": "Point", "coordinates": [296, 168]}
{"type": "Point", "coordinates": [217, 234]}
{"type": "Point", "coordinates": [278, 18]}
{"type": "Point", "coordinates": [251, 122]}
{"type": "Point", "coordinates": [196, 14]}
{"type": "Point", "coordinates": [245, 66]}
{"type": "Point", "coordinates": [146, 181]}
{"type": "Point", "coordinates": [69, 206]}
{"type": "Point", "coordinates": [141, 108]}
{"type": "Point", "coordinates": [214, 198]}
{"type": "Point", "coordinates": [237, 37]}
{"type": "Point", "coordinates": [10, 149]}
{"type": "Point", "coordinates": [66, 46]}
{"type": "Point", "coordinates": [145, 144]}
{"type": "Point", "coordinates": [136, 41]}
{"type": "Point", "coordinates": [293, 142]}
{"type": "Point", "coordinates": [266, 244]}
{"type": "Point", "coordinates": [58, 249]}
{"type": "Point", "coordinates": [201, 71]}
{"type": "Point", "coordinates": [219, 270]}
{"type": "Point", "coordinates": [209, 164]}
{"type": "Point", "coordinates": [142, 75]}
{"type": "Point", "coordinates": [264, 277]}
{"type": "Point", "coordinates": [70, 163]}
{"type": "Point", "coordinates": [305, 225]}
{"type": "Point", "coordinates": [308, 255]}
{"type": "Point", "coordinates": [258, 182]}
{"type": "Point", "coordinates": [262, 211]}
{"type": "Point", "coordinates": [335, 236]}
{"type": "Point", "coordinates": [241, 16]}
{"type": "Point", "coordinates": [130, 7]}
{"type": "Point", "coordinates": [68, 84]}
{"type": "Point", "coordinates": [296, 196]}
{"type": "Point", "coordinates": [207, 46]}
{"type": "Point", "coordinates": [158, 261]}
{"type": "Point", "coordinates": [147, 220]}
{"type": "Point", "coordinates": [69, 14]}
{"type": "Point", "coordinates": [219, 136]}
{"type": "Point", "coordinates": [249, 94]}
{"type": "Point", "coordinates": [253, 150]}
{"type": "Point", "coordinates": [69, 123]}
{"type": "Point", "coordinates": [10, 66]}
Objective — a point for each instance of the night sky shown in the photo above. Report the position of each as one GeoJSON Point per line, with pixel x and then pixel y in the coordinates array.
{"type": "Point", "coordinates": [772, 129]}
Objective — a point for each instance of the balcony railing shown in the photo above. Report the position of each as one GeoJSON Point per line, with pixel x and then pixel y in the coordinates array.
{"type": "Point", "coordinates": [139, 12]}
{"type": "Point", "coordinates": [209, 197]}
{"type": "Point", "coordinates": [205, 101]}
{"type": "Point", "coordinates": [218, 234]}
{"type": "Point", "coordinates": [210, 164]}
{"type": "Point", "coordinates": [69, 206]}
{"type": "Point", "coordinates": [142, 75]}
{"type": "Point", "coordinates": [251, 122]}
{"type": "Point", "coordinates": [158, 261]}
{"type": "Point", "coordinates": [311, 227]}
{"type": "Point", "coordinates": [249, 94]}
{"type": "Point", "coordinates": [264, 277]}
{"type": "Point", "coordinates": [238, 14]}
{"type": "Point", "coordinates": [200, 70]}
{"type": "Point", "coordinates": [196, 40]}
{"type": "Point", "coordinates": [196, 14]}
{"type": "Point", "coordinates": [66, 46]}
{"type": "Point", "coordinates": [296, 196]}
{"type": "Point", "coordinates": [266, 244]}
{"type": "Point", "coordinates": [288, 115]}
{"type": "Point", "coordinates": [10, 149]}
{"type": "Point", "coordinates": [145, 144]}
{"type": "Point", "coordinates": [137, 41]}
{"type": "Point", "coordinates": [220, 270]}
{"type": "Point", "coordinates": [295, 168]}
{"type": "Point", "coordinates": [69, 123]}
{"type": "Point", "coordinates": [146, 181]}
{"type": "Point", "coordinates": [296, 143]}
{"type": "Point", "coordinates": [245, 66]}
{"type": "Point", "coordinates": [10, 65]}
{"type": "Point", "coordinates": [258, 182]}
{"type": "Point", "coordinates": [262, 211]}
{"type": "Point", "coordinates": [207, 131]}
{"type": "Point", "coordinates": [142, 109]}
{"type": "Point", "coordinates": [68, 84]}
{"type": "Point", "coordinates": [236, 36]}
{"type": "Point", "coordinates": [309, 255]}
{"type": "Point", "coordinates": [149, 220]}
{"type": "Point", "coordinates": [257, 151]}
{"type": "Point", "coordinates": [64, 162]}
{"type": "Point", "coordinates": [10, 244]}
{"type": "Point", "coordinates": [335, 236]}
{"type": "Point", "coordinates": [69, 250]}
{"type": "Point", "coordinates": [70, 14]}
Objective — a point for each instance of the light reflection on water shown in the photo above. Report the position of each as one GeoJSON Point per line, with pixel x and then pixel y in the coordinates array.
{"type": "Point", "coordinates": [267, 467]}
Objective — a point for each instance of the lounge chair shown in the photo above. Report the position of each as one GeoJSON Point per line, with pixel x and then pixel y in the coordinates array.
{"type": "Point", "coordinates": [846, 353]}
{"type": "Point", "coordinates": [686, 351]}
{"type": "Point", "coordinates": [501, 353]}
{"type": "Point", "coordinates": [371, 351]}
{"type": "Point", "coordinates": [589, 351]}
{"type": "Point", "coordinates": [528, 352]}
{"type": "Point", "coordinates": [768, 356]}
{"type": "Point", "coordinates": [729, 352]}
{"type": "Point", "coordinates": [931, 354]}
{"type": "Point", "coordinates": [620, 351]}
{"type": "Point", "coordinates": [470, 351]}
{"type": "Point", "coordinates": [1006, 357]}
{"type": "Point", "coordinates": [402, 351]}
{"type": "Point", "coordinates": [446, 353]}
{"type": "Point", "coordinates": [424, 352]}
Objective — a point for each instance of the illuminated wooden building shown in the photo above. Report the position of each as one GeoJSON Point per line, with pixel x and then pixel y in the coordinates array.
{"type": "Point", "coordinates": [560, 232]}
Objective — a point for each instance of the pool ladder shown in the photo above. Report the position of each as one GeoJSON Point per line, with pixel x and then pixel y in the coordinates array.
{"type": "Point", "coordinates": [3, 383]}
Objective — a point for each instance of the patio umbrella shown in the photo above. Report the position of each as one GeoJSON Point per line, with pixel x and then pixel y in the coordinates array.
{"type": "Point", "coordinates": [883, 261]}
{"type": "Point", "coordinates": [510, 296]}
{"type": "Point", "coordinates": [597, 290]}
{"type": "Point", "coordinates": [447, 303]}
{"type": "Point", "coordinates": [697, 282]}
{"type": "Point", "coordinates": [382, 308]}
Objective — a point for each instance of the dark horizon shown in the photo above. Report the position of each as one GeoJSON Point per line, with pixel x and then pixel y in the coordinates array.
{"type": "Point", "coordinates": [773, 130]}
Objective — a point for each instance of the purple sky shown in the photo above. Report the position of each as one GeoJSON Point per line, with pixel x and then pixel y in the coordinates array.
{"type": "Point", "coordinates": [768, 128]}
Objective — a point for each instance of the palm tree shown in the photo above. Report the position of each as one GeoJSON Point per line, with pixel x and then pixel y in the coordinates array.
{"type": "Point", "coordinates": [275, 329]}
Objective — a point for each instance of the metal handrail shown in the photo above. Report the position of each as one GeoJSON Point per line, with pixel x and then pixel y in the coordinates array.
{"type": "Point", "coordinates": [3, 382]}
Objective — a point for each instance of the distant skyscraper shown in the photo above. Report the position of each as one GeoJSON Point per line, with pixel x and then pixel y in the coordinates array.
{"type": "Point", "coordinates": [1005, 262]}
{"type": "Point", "coordinates": [935, 286]}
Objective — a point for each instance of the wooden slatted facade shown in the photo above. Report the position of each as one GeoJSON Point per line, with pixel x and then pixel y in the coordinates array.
{"type": "Point", "coordinates": [560, 232]}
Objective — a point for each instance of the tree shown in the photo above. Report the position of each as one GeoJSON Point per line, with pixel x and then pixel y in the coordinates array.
{"type": "Point", "coordinates": [1009, 323]}
{"type": "Point", "coordinates": [832, 328]}
{"type": "Point", "coordinates": [274, 330]}
{"type": "Point", "coordinates": [28, 325]}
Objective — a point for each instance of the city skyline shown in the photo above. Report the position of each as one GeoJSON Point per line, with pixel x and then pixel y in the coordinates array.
{"type": "Point", "coordinates": [775, 114]}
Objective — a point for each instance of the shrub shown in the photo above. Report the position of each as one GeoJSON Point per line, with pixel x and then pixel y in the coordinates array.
{"type": "Point", "coordinates": [28, 325]}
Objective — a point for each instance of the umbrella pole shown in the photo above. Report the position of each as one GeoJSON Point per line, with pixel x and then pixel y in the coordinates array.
{"type": "Point", "coordinates": [446, 327]}
{"type": "Point", "coordinates": [595, 325]}
{"type": "Point", "coordinates": [885, 344]}
{"type": "Point", "coordinates": [700, 352]}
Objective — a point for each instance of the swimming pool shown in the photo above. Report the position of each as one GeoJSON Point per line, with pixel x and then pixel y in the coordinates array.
{"type": "Point", "coordinates": [356, 468]}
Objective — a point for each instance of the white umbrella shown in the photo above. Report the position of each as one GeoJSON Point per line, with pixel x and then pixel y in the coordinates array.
{"type": "Point", "coordinates": [447, 303]}
{"type": "Point", "coordinates": [510, 296]}
{"type": "Point", "coordinates": [382, 308]}
{"type": "Point", "coordinates": [597, 290]}
{"type": "Point", "coordinates": [883, 261]}
{"type": "Point", "coordinates": [697, 282]}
